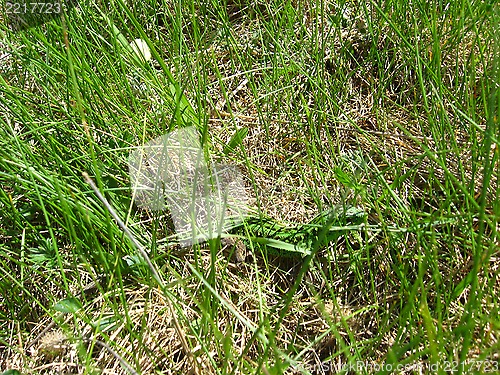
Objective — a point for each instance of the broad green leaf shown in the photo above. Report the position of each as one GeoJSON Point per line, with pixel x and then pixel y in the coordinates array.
{"type": "Point", "coordinates": [235, 141]}
{"type": "Point", "coordinates": [68, 305]}
{"type": "Point", "coordinates": [106, 324]}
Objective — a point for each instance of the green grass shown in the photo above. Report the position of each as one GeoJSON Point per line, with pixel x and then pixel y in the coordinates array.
{"type": "Point", "coordinates": [391, 107]}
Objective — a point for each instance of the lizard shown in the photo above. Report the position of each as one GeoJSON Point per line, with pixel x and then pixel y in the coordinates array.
{"type": "Point", "coordinates": [296, 240]}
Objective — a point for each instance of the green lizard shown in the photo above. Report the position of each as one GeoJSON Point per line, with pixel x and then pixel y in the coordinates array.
{"type": "Point", "coordinates": [298, 240]}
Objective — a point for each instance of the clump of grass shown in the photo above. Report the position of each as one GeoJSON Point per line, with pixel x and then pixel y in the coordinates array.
{"type": "Point", "coordinates": [388, 107]}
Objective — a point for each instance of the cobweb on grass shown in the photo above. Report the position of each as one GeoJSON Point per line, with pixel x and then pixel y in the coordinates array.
{"type": "Point", "coordinates": [171, 172]}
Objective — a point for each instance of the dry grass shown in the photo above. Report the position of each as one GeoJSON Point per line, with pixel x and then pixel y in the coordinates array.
{"type": "Point", "coordinates": [289, 166]}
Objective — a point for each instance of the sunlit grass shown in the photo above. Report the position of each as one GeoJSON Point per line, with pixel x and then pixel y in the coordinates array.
{"type": "Point", "coordinates": [391, 108]}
